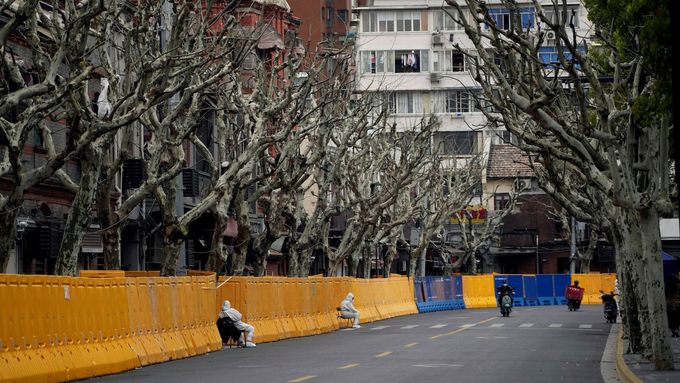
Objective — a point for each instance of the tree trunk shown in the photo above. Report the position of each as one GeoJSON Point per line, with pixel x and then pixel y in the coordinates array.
{"type": "Point", "coordinates": [111, 241]}
{"type": "Point", "coordinates": [217, 256]}
{"type": "Point", "coordinates": [471, 263]}
{"type": "Point", "coordinates": [629, 307]}
{"type": "Point", "coordinates": [390, 257]}
{"type": "Point", "coordinates": [79, 216]}
{"type": "Point", "coordinates": [631, 247]}
{"type": "Point", "coordinates": [654, 285]}
{"type": "Point", "coordinates": [305, 261]}
{"type": "Point", "coordinates": [172, 234]}
{"type": "Point", "coordinates": [243, 238]}
{"type": "Point", "coordinates": [333, 266]}
{"type": "Point", "coordinates": [8, 218]}
{"type": "Point", "coordinates": [261, 246]}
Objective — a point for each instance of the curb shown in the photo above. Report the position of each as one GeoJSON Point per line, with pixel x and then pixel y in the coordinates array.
{"type": "Point", "coordinates": [622, 369]}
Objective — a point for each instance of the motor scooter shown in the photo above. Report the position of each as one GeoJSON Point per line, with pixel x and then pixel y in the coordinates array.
{"type": "Point", "coordinates": [610, 308]}
{"type": "Point", "coordinates": [506, 304]}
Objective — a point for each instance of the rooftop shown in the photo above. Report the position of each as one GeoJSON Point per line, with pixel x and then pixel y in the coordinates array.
{"type": "Point", "coordinates": [507, 161]}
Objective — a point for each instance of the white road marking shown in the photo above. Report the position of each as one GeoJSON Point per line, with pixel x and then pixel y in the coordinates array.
{"type": "Point", "coordinates": [526, 325]}
{"type": "Point", "coordinates": [437, 365]}
{"type": "Point", "coordinates": [439, 325]}
{"type": "Point", "coordinates": [410, 326]}
{"type": "Point", "coordinates": [585, 326]}
{"type": "Point", "coordinates": [497, 325]}
{"type": "Point", "coordinates": [468, 325]}
{"type": "Point", "coordinates": [379, 327]}
{"type": "Point", "coordinates": [555, 325]}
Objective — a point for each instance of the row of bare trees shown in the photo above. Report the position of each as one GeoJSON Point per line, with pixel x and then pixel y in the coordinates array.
{"type": "Point", "coordinates": [595, 144]}
{"type": "Point", "coordinates": [120, 80]}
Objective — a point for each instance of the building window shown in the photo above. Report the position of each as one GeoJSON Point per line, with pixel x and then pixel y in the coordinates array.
{"type": "Point", "coordinates": [377, 61]}
{"type": "Point", "coordinates": [501, 201]}
{"type": "Point", "coordinates": [405, 103]}
{"type": "Point", "coordinates": [385, 21]}
{"type": "Point", "coordinates": [448, 61]}
{"type": "Point", "coordinates": [455, 143]}
{"type": "Point", "coordinates": [503, 18]}
{"type": "Point", "coordinates": [459, 101]}
{"type": "Point", "coordinates": [410, 61]}
{"type": "Point", "coordinates": [567, 16]}
{"type": "Point", "coordinates": [408, 21]}
{"type": "Point", "coordinates": [442, 21]}
{"type": "Point", "coordinates": [342, 15]}
{"type": "Point", "coordinates": [457, 61]}
{"type": "Point", "coordinates": [369, 22]}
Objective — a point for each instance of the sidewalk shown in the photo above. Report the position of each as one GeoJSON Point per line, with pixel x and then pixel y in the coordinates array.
{"type": "Point", "coordinates": [644, 370]}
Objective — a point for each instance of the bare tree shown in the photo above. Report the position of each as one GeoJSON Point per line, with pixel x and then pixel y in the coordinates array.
{"type": "Point", "coordinates": [63, 44]}
{"type": "Point", "coordinates": [600, 160]}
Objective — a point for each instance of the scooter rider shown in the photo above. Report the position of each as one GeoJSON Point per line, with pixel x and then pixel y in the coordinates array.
{"type": "Point", "coordinates": [503, 290]}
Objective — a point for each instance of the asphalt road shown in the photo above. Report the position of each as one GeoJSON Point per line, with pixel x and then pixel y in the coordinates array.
{"type": "Point", "coordinates": [535, 344]}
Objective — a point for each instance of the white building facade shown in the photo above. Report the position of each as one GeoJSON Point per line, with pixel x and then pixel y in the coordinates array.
{"type": "Point", "coordinates": [406, 47]}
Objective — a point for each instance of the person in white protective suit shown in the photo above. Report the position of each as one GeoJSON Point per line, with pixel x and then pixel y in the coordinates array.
{"type": "Point", "coordinates": [235, 316]}
{"type": "Point", "coordinates": [348, 311]}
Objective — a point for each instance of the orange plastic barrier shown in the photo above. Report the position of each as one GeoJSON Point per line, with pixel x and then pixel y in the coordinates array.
{"type": "Point", "coordinates": [56, 329]}
{"type": "Point", "coordinates": [593, 283]}
{"type": "Point", "coordinates": [479, 291]}
{"type": "Point", "coordinates": [280, 307]}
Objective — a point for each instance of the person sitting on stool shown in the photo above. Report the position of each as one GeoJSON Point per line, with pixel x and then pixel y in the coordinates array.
{"type": "Point", "coordinates": [348, 311]}
{"type": "Point", "coordinates": [235, 316]}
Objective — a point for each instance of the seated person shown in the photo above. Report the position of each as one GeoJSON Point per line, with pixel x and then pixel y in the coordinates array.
{"type": "Point", "coordinates": [348, 311]}
{"type": "Point", "coordinates": [235, 317]}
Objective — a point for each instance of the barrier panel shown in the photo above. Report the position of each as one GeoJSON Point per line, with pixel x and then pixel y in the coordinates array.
{"type": "Point", "coordinates": [545, 289]}
{"type": "Point", "coordinates": [561, 282]}
{"type": "Point", "coordinates": [592, 284]}
{"type": "Point", "coordinates": [56, 329]}
{"type": "Point", "coordinates": [280, 307]}
{"type": "Point", "coordinates": [479, 291]}
{"type": "Point", "coordinates": [530, 290]}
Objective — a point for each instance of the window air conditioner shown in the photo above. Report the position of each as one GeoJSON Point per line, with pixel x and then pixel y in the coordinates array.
{"type": "Point", "coordinates": [435, 77]}
{"type": "Point", "coordinates": [437, 39]}
{"type": "Point", "coordinates": [550, 35]}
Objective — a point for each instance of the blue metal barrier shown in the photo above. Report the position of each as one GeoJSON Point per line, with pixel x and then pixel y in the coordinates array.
{"type": "Point", "coordinates": [545, 289]}
{"type": "Point", "coordinates": [530, 293]}
{"type": "Point", "coordinates": [561, 283]}
{"type": "Point", "coordinates": [439, 293]}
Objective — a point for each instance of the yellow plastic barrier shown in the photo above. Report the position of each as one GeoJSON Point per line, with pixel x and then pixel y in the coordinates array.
{"type": "Point", "coordinates": [478, 291]}
{"type": "Point", "coordinates": [282, 308]}
{"type": "Point", "coordinates": [56, 329]}
{"type": "Point", "coordinates": [593, 283]}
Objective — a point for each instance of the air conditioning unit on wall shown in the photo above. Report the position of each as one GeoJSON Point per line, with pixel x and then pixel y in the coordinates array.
{"type": "Point", "coordinates": [435, 77]}
{"type": "Point", "coordinates": [550, 35]}
{"type": "Point", "coordinates": [438, 39]}
{"type": "Point", "coordinates": [522, 184]}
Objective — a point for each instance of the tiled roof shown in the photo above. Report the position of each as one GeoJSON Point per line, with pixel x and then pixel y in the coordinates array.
{"type": "Point", "coordinates": [507, 161]}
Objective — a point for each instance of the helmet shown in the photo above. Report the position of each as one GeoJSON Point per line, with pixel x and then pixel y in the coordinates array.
{"type": "Point", "coordinates": [505, 283]}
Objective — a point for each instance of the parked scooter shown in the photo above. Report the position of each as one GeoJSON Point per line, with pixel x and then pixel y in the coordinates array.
{"type": "Point", "coordinates": [506, 304]}
{"type": "Point", "coordinates": [610, 307]}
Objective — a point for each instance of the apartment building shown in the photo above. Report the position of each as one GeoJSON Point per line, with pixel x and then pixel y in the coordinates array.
{"type": "Point", "coordinates": [406, 48]}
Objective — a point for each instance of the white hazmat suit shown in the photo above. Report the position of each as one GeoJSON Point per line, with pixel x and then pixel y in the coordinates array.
{"type": "Point", "coordinates": [235, 316]}
{"type": "Point", "coordinates": [348, 311]}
